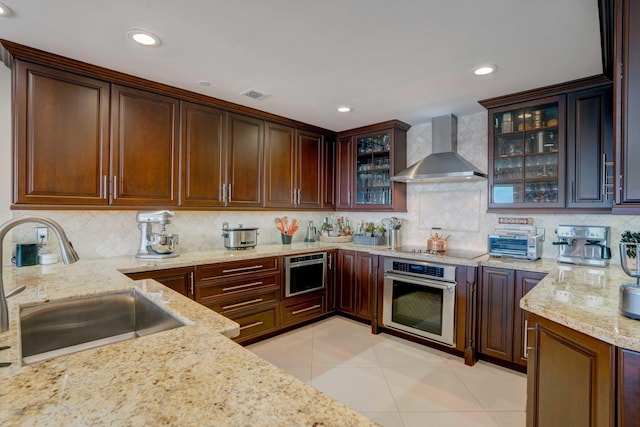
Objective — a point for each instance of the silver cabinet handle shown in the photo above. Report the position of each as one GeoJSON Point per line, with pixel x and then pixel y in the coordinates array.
{"type": "Point", "coordinates": [104, 190]}
{"type": "Point", "coordinates": [234, 270]}
{"type": "Point", "coordinates": [305, 309]}
{"type": "Point", "coordinates": [247, 285]}
{"type": "Point", "coordinates": [115, 187]}
{"type": "Point", "coordinates": [348, 197]}
{"type": "Point", "coordinates": [241, 304]}
{"type": "Point", "coordinates": [293, 197]}
{"type": "Point", "coordinates": [299, 191]}
{"type": "Point", "coordinates": [606, 177]}
{"type": "Point", "coordinates": [251, 325]}
{"type": "Point", "coordinates": [222, 193]}
{"type": "Point", "coordinates": [329, 261]}
{"type": "Point", "coordinates": [229, 194]}
{"type": "Point", "coordinates": [192, 284]}
{"type": "Point", "coordinates": [525, 341]}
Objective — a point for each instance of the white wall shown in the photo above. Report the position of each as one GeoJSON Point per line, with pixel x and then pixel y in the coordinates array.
{"type": "Point", "coordinates": [459, 208]}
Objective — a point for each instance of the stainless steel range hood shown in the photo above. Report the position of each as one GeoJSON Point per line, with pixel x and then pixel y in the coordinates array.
{"type": "Point", "coordinates": [444, 164]}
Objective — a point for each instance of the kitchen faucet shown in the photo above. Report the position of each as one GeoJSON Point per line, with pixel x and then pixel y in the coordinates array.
{"type": "Point", "coordinates": [69, 255]}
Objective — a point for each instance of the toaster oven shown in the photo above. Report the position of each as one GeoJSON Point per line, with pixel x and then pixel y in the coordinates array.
{"type": "Point", "coordinates": [525, 247]}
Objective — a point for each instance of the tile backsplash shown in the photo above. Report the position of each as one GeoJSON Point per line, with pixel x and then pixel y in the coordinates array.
{"type": "Point", "coordinates": [458, 208]}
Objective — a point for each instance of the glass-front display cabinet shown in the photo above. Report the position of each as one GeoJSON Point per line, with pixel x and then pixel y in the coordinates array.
{"type": "Point", "coordinates": [526, 153]}
{"type": "Point", "coordinates": [373, 154]}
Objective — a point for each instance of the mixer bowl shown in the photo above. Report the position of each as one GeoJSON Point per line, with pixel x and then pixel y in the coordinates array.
{"type": "Point", "coordinates": [163, 243]}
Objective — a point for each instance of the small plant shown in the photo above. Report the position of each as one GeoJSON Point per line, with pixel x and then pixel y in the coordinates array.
{"type": "Point", "coordinates": [630, 237]}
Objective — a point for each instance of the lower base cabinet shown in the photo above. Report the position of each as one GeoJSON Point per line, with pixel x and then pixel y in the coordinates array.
{"type": "Point", "coordinates": [179, 279]}
{"type": "Point", "coordinates": [357, 281]}
{"type": "Point", "coordinates": [570, 378]}
{"type": "Point", "coordinates": [303, 308]}
{"type": "Point", "coordinates": [256, 322]}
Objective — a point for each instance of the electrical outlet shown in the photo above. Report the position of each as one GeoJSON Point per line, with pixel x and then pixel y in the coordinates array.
{"type": "Point", "coordinates": [42, 235]}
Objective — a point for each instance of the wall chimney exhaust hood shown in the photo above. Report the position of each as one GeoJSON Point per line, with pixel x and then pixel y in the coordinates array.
{"type": "Point", "coordinates": [444, 164]}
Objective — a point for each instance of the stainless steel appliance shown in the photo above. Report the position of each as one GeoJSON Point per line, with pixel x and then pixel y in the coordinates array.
{"type": "Point", "coordinates": [156, 245]}
{"type": "Point", "coordinates": [516, 241]}
{"type": "Point", "coordinates": [629, 302]}
{"type": "Point", "coordinates": [583, 245]}
{"type": "Point", "coordinates": [419, 298]}
{"type": "Point", "coordinates": [312, 233]}
{"type": "Point", "coordinates": [239, 237]}
{"type": "Point", "coordinates": [305, 273]}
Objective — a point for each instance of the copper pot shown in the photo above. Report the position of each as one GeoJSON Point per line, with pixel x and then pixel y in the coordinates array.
{"type": "Point", "coordinates": [437, 243]}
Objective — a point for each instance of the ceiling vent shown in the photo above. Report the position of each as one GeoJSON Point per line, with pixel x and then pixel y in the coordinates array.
{"type": "Point", "coordinates": [255, 94]}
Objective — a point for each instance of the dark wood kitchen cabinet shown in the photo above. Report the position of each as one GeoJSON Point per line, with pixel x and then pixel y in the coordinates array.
{"type": "Point", "coordinates": [245, 151]}
{"type": "Point", "coordinates": [376, 152]}
{"type": "Point", "coordinates": [627, 106]}
{"type": "Point", "coordinates": [246, 291]}
{"type": "Point", "coordinates": [628, 387]}
{"type": "Point", "coordinates": [358, 277]}
{"type": "Point", "coordinates": [145, 134]}
{"type": "Point", "coordinates": [61, 132]}
{"type": "Point", "coordinates": [329, 169]}
{"type": "Point", "coordinates": [551, 149]}
{"type": "Point", "coordinates": [293, 168]}
{"type": "Point", "coordinates": [180, 279]}
{"type": "Point", "coordinates": [502, 322]}
{"type": "Point", "coordinates": [203, 148]}
{"type": "Point", "coordinates": [344, 173]}
{"type": "Point", "coordinates": [570, 377]}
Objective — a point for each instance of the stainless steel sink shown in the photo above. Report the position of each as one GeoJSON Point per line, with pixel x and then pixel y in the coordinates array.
{"type": "Point", "coordinates": [58, 328]}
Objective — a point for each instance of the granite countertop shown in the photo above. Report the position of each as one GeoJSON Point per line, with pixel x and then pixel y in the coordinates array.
{"type": "Point", "coordinates": [192, 375]}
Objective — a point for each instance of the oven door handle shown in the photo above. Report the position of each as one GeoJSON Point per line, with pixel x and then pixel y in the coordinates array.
{"type": "Point", "coordinates": [422, 282]}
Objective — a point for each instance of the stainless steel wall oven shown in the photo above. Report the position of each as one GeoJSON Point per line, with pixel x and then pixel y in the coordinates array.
{"type": "Point", "coordinates": [305, 273]}
{"type": "Point", "coordinates": [419, 298]}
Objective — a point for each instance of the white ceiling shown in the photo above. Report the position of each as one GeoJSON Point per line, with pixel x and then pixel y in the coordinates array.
{"type": "Point", "coordinates": [402, 59]}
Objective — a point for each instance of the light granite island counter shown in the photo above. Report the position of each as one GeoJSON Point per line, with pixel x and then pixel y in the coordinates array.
{"type": "Point", "coordinates": [192, 375]}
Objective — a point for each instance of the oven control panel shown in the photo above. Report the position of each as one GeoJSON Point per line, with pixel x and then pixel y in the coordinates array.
{"type": "Point", "coordinates": [420, 269]}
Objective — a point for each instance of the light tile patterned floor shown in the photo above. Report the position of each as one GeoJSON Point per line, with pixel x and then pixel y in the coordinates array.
{"type": "Point", "coordinates": [396, 382]}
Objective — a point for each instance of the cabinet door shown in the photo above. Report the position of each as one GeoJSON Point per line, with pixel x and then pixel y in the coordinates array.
{"type": "Point", "coordinates": [332, 280]}
{"type": "Point", "coordinates": [570, 378]}
{"type": "Point", "coordinates": [628, 107]}
{"type": "Point", "coordinates": [329, 161]}
{"type": "Point", "coordinates": [366, 280]}
{"type": "Point", "coordinates": [145, 133]}
{"type": "Point", "coordinates": [279, 156]}
{"type": "Point", "coordinates": [62, 144]}
{"type": "Point", "coordinates": [589, 148]}
{"type": "Point", "coordinates": [309, 175]}
{"type": "Point", "coordinates": [203, 139]}
{"type": "Point", "coordinates": [525, 281]}
{"type": "Point", "coordinates": [628, 388]}
{"type": "Point", "coordinates": [344, 173]}
{"type": "Point", "coordinates": [346, 281]}
{"type": "Point", "coordinates": [244, 161]}
{"type": "Point", "coordinates": [179, 279]}
{"type": "Point", "coordinates": [496, 316]}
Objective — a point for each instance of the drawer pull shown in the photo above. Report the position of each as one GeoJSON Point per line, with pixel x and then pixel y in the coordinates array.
{"type": "Point", "coordinates": [246, 285]}
{"type": "Point", "coordinates": [293, 313]}
{"type": "Point", "coordinates": [525, 343]}
{"type": "Point", "coordinates": [234, 270]}
{"type": "Point", "coordinates": [240, 304]}
{"type": "Point", "coordinates": [251, 325]}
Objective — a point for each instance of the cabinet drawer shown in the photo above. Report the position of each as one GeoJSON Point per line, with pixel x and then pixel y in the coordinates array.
{"type": "Point", "coordinates": [236, 268]}
{"type": "Point", "coordinates": [256, 322]}
{"type": "Point", "coordinates": [205, 292]}
{"type": "Point", "coordinates": [241, 302]}
{"type": "Point", "coordinates": [298, 310]}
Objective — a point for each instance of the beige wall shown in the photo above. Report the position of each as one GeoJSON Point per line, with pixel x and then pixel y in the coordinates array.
{"type": "Point", "coordinates": [5, 153]}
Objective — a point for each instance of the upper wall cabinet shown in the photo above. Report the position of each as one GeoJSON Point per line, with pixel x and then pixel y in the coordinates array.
{"type": "Point", "coordinates": [245, 151]}
{"type": "Point", "coordinates": [551, 148]}
{"type": "Point", "coordinates": [203, 149]}
{"type": "Point", "coordinates": [627, 106]}
{"type": "Point", "coordinates": [145, 134]}
{"type": "Point", "coordinates": [61, 137]}
{"type": "Point", "coordinates": [376, 152]}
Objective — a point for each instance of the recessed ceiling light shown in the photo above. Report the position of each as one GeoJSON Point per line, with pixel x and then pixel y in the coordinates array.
{"type": "Point", "coordinates": [344, 109]}
{"type": "Point", "coordinates": [4, 10]}
{"type": "Point", "coordinates": [483, 70]}
{"type": "Point", "coordinates": [144, 38]}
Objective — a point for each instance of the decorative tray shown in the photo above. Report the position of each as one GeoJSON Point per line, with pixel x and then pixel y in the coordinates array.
{"type": "Point", "coordinates": [335, 239]}
{"type": "Point", "coordinates": [369, 240]}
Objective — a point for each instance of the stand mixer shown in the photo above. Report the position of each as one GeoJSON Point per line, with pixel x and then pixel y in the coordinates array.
{"type": "Point", "coordinates": [156, 245]}
{"type": "Point", "coordinates": [630, 291]}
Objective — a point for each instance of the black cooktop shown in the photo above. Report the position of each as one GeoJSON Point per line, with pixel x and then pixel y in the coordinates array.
{"type": "Point", "coordinates": [451, 253]}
